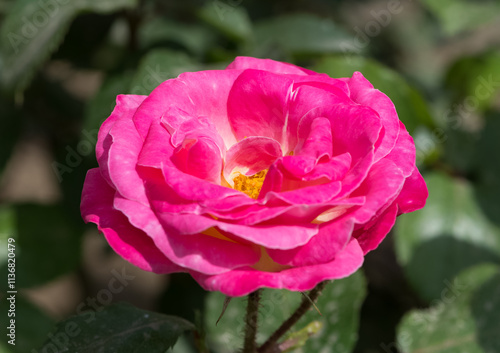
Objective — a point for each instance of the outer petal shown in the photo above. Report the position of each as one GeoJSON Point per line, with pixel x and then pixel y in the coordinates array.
{"type": "Point", "coordinates": [371, 234]}
{"type": "Point", "coordinates": [267, 235]}
{"type": "Point", "coordinates": [381, 187]}
{"type": "Point", "coordinates": [246, 280]}
{"type": "Point", "coordinates": [131, 243]}
{"type": "Point", "coordinates": [330, 240]}
{"type": "Point", "coordinates": [277, 67]}
{"type": "Point", "coordinates": [126, 106]}
{"type": "Point", "coordinates": [122, 160]}
{"type": "Point", "coordinates": [362, 92]}
{"type": "Point", "coordinates": [403, 153]}
{"type": "Point", "coordinates": [414, 193]}
{"type": "Point", "coordinates": [199, 252]}
{"type": "Point", "coordinates": [196, 93]}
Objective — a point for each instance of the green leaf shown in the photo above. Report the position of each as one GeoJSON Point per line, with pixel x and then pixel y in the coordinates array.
{"type": "Point", "coordinates": [33, 30]}
{"type": "Point", "coordinates": [411, 107]}
{"type": "Point", "coordinates": [475, 84]}
{"type": "Point", "coordinates": [486, 311]}
{"type": "Point", "coordinates": [229, 17]}
{"type": "Point", "coordinates": [487, 168]}
{"type": "Point", "coordinates": [47, 245]}
{"type": "Point", "coordinates": [449, 326]}
{"type": "Point", "coordinates": [157, 66]}
{"type": "Point", "coordinates": [159, 31]}
{"type": "Point", "coordinates": [7, 230]}
{"type": "Point", "coordinates": [31, 325]}
{"type": "Point", "coordinates": [339, 305]}
{"type": "Point", "coordinates": [459, 15]}
{"type": "Point", "coordinates": [448, 235]}
{"type": "Point", "coordinates": [119, 328]}
{"type": "Point", "coordinates": [302, 34]}
{"type": "Point", "coordinates": [103, 103]}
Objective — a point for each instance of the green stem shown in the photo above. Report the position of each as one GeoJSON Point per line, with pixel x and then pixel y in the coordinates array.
{"type": "Point", "coordinates": [271, 345]}
{"type": "Point", "coordinates": [250, 345]}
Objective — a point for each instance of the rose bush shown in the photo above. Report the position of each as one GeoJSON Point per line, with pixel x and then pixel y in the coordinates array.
{"type": "Point", "coordinates": [261, 175]}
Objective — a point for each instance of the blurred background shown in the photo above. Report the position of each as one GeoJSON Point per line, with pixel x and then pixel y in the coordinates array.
{"type": "Point", "coordinates": [434, 283]}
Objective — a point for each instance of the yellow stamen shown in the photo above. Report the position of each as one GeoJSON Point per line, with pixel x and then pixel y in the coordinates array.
{"type": "Point", "coordinates": [250, 185]}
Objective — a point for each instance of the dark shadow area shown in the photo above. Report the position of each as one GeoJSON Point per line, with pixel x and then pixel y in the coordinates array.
{"type": "Point", "coordinates": [436, 262]}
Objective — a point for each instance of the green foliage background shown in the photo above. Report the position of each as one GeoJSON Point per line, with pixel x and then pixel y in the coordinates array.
{"type": "Point", "coordinates": [432, 286]}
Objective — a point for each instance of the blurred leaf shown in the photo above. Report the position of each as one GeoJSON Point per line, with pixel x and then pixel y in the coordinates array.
{"type": "Point", "coordinates": [411, 107]}
{"type": "Point", "coordinates": [339, 305]}
{"type": "Point", "coordinates": [302, 34]}
{"type": "Point", "coordinates": [229, 17]}
{"type": "Point", "coordinates": [104, 101]}
{"type": "Point", "coordinates": [32, 30]}
{"type": "Point", "coordinates": [448, 326]}
{"type": "Point", "coordinates": [32, 325]}
{"type": "Point", "coordinates": [7, 230]}
{"type": "Point", "coordinates": [159, 31]}
{"type": "Point", "coordinates": [486, 311]}
{"type": "Point", "coordinates": [460, 15]}
{"type": "Point", "coordinates": [47, 245]}
{"type": "Point", "coordinates": [427, 144]}
{"type": "Point", "coordinates": [120, 328]}
{"type": "Point", "coordinates": [9, 132]}
{"type": "Point", "coordinates": [449, 234]}
{"type": "Point", "coordinates": [459, 149]}
{"type": "Point", "coordinates": [475, 82]}
{"type": "Point", "coordinates": [183, 346]}
{"type": "Point", "coordinates": [487, 167]}
{"type": "Point", "coordinates": [157, 66]}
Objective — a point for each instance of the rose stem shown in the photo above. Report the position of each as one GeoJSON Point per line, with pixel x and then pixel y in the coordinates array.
{"type": "Point", "coordinates": [271, 346]}
{"type": "Point", "coordinates": [251, 322]}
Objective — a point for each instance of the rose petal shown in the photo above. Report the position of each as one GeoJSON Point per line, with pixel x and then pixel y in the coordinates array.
{"type": "Point", "coordinates": [371, 234]}
{"type": "Point", "coordinates": [277, 67]}
{"type": "Point", "coordinates": [403, 153]}
{"type": "Point", "coordinates": [197, 94]}
{"type": "Point", "coordinates": [255, 105]}
{"type": "Point", "coordinates": [201, 158]}
{"type": "Point", "coordinates": [199, 252]}
{"type": "Point", "coordinates": [310, 150]}
{"type": "Point", "coordinates": [381, 187]}
{"type": "Point", "coordinates": [414, 193]}
{"type": "Point", "coordinates": [362, 92]}
{"type": "Point", "coordinates": [126, 105]}
{"type": "Point", "coordinates": [156, 150]}
{"type": "Point", "coordinates": [246, 280]}
{"type": "Point", "coordinates": [322, 248]}
{"type": "Point", "coordinates": [316, 194]}
{"type": "Point", "coordinates": [306, 96]}
{"type": "Point", "coordinates": [122, 160]}
{"type": "Point", "coordinates": [129, 242]}
{"type": "Point", "coordinates": [251, 155]}
{"type": "Point", "coordinates": [269, 235]}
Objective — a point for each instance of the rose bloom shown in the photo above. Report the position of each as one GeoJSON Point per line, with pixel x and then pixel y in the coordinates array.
{"type": "Point", "coordinates": [264, 174]}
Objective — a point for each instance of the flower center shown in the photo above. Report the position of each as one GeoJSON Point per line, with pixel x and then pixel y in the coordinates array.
{"type": "Point", "coordinates": [250, 185]}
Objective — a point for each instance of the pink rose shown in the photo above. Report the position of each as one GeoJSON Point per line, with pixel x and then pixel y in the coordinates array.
{"type": "Point", "coordinates": [261, 175]}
